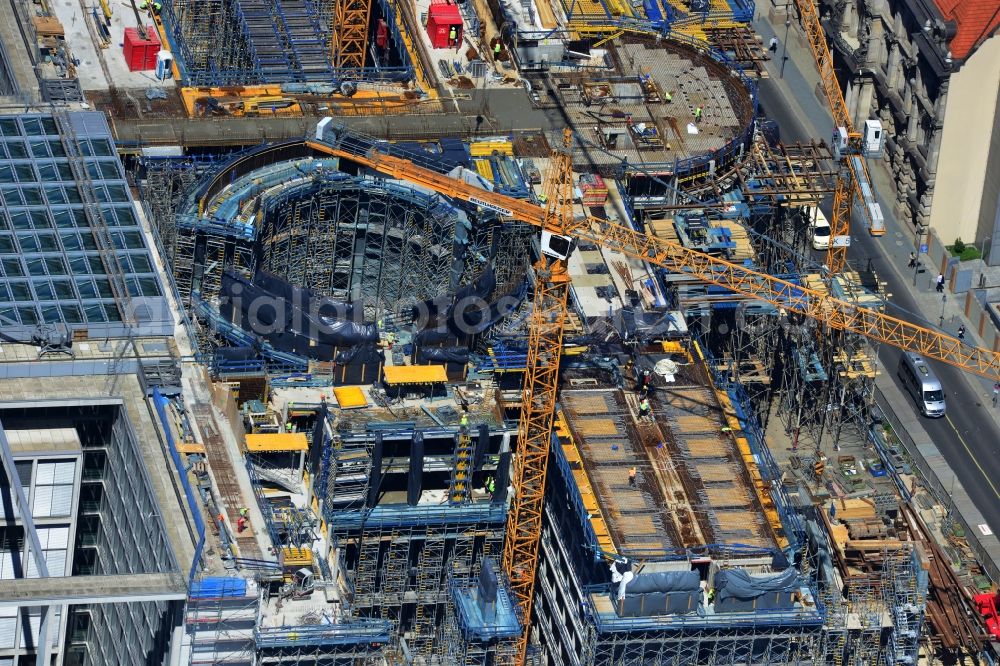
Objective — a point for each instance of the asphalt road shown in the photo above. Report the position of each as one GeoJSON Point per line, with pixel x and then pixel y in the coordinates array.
{"type": "Point", "coordinates": [968, 438]}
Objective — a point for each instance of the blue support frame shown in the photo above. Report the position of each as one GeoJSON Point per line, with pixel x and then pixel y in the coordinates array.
{"type": "Point", "coordinates": [285, 69]}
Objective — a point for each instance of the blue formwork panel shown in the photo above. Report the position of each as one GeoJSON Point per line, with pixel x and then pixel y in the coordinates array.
{"type": "Point", "coordinates": [217, 587]}
{"type": "Point", "coordinates": [743, 10]}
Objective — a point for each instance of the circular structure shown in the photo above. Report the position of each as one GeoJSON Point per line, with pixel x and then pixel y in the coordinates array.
{"type": "Point", "coordinates": [663, 107]}
{"type": "Point", "coordinates": [378, 243]}
{"type": "Point", "coordinates": [291, 257]}
{"type": "Point", "coordinates": [365, 241]}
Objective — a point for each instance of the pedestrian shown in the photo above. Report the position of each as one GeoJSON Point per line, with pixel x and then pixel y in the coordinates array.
{"type": "Point", "coordinates": [697, 114]}
{"type": "Point", "coordinates": [667, 96]}
{"type": "Point", "coordinates": [961, 332]}
{"type": "Point", "coordinates": [996, 393]}
{"type": "Point", "coordinates": [773, 47]}
{"type": "Point", "coordinates": [631, 477]}
{"type": "Point", "coordinates": [490, 486]}
{"type": "Point", "coordinates": [244, 512]}
{"type": "Point", "coordinates": [464, 422]}
{"type": "Point", "coordinates": [496, 49]}
{"type": "Point", "coordinates": [913, 260]}
{"type": "Point", "coordinates": [288, 426]}
{"type": "Point", "coordinates": [940, 283]}
{"type": "Point", "coordinates": [241, 524]}
{"type": "Point", "coordinates": [452, 36]}
{"type": "Point", "coordinates": [644, 408]}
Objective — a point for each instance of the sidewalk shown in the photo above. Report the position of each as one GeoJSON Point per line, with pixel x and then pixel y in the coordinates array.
{"type": "Point", "coordinates": [801, 82]}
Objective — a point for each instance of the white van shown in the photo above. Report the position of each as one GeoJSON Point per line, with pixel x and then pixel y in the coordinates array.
{"type": "Point", "coordinates": [819, 226]}
{"type": "Point", "coordinates": [922, 384]}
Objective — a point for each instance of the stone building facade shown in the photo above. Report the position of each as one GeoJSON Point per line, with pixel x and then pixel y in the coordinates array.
{"type": "Point", "coordinates": [895, 62]}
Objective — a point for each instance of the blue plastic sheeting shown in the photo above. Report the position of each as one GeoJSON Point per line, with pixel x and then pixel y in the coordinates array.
{"type": "Point", "coordinates": [160, 402]}
{"type": "Point", "coordinates": [483, 621]}
{"type": "Point", "coordinates": [216, 587]}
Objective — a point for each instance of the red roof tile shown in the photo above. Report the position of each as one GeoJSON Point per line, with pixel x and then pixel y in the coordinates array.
{"type": "Point", "coordinates": [975, 18]}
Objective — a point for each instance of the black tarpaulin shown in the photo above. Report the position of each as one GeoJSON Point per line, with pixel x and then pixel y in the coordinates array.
{"type": "Point", "coordinates": [738, 584]}
{"type": "Point", "coordinates": [667, 581]}
{"type": "Point", "coordinates": [375, 479]}
{"type": "Point", "coordinates": [482, 445]}
{"type": "Point", "coordinates": [502, 479]}
{"type": "Point", "coordinates": [443, 354]}
{"type": "Point", "coordinates": [415, 481]}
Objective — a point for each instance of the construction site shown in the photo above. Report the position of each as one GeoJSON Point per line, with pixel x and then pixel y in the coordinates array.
{"type": "Point", "coordinates": [483, 333]}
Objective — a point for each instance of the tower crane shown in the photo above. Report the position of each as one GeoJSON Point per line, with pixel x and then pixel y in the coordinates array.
{"type": "Point", "coordinates": [853, 182]}
{"type": "Point", "coordinates": [349, 33]}
{"type": "Point", "coordinates": [545, 339]}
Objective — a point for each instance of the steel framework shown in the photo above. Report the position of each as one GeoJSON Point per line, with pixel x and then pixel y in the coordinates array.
{"type": "Point", "coordinates": [534, 432]}
{"type": "Point", "coordinates": [351, 239]}
{"type": "Point", "coordinates": [350, 33]}
{"type": "Point", "coordinates": [832, 312]}
{"type": "Point", "coordinates": [219, 43]}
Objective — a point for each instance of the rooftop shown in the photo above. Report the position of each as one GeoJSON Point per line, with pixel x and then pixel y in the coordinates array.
{"type": "Point", "coordinates": [694, 483]}
{"type": "Point", "coordinates": [43, 440]}
{"type": "Point", "coordinates": [976, 19]}
{"type": "Point", "coordinates": [51, 271]}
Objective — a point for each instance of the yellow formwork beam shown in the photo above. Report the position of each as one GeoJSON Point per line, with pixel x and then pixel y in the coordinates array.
{"type": "Point", "coordinates": [487, 148]}
{"type": "Point", "coordinates": [484, 169]}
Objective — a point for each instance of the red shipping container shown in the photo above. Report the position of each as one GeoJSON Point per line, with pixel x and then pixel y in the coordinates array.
{"type": "Point", "coordinates": [440, 20]}
{"type": "Point", "coordinates": [140, 54]}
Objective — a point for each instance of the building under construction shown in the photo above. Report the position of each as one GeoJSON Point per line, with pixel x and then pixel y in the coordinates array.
{"type": "Point", "coordinates": [365, 369]}
{"type": "Point", "coordinates": [389, 533]}
{"type": "Point", "coordinates": [250, 42]}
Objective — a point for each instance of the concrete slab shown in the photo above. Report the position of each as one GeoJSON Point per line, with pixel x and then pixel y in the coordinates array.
{"type": "Point", "coordinates": [19, 61]}
{"type": "Point", "coordinates": [93, 589]}
{"type": "Point", "coordinates": [75, 16]}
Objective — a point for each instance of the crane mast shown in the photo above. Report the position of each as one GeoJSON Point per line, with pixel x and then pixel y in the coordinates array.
{"type": "Point", "coordinates": [848, 188]}
{"type": "Point", "coordinates": [349, 33]}
{"type": "Point", "coordinates": [538, 399]}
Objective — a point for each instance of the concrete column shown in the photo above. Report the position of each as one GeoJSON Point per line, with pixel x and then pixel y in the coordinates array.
{"type": "Point", "coordinates": [851, 98]}
{"type": "Point", "coordinates": [866, 89]}
{"type": "Point", "coordinates": [941, 103]}
{"type": "Point", "coordinates": [893, 66]}
{"type": "Point", "coordinates": [849, 18]}
{"type": "Point", "coordinates": [914, 119]}
{"type": "Point", "coordinates": [933, 150]}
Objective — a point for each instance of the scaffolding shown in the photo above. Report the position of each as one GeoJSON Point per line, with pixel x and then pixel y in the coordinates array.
{"type": "Point", "coordinates": [219, 619]}
{"type": "Point", "coordinates": [218, 43]}
{"type": "Point", "coordinates": [359, 240]}
{"type": "Point", "coordinates": [400, 575]}
{"type": "Point", "coordinates": [166, 182]}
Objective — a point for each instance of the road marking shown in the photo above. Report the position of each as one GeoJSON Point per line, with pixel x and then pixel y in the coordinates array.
{"type": "Point", "coordinates": [972, 457]}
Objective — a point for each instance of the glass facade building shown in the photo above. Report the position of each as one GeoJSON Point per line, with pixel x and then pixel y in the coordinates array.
{"type": "Point", "coordinates": [51, 268]}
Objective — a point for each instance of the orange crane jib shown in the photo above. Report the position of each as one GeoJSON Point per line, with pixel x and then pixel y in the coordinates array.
{"type": "Point", "coordinates": [833, 312]}
{"type": "Point", "coordinates": [549, 314]}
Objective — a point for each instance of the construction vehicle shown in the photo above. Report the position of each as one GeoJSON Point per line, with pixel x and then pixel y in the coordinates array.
{"type": "Point", "coordinates": [850, 147]}
{"type": "Point", "coordinates": [559, 228]}
{"type": "Point", "coordinates": [232, 105]}
{"type": "Point", "coordinates": [989, 607]}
